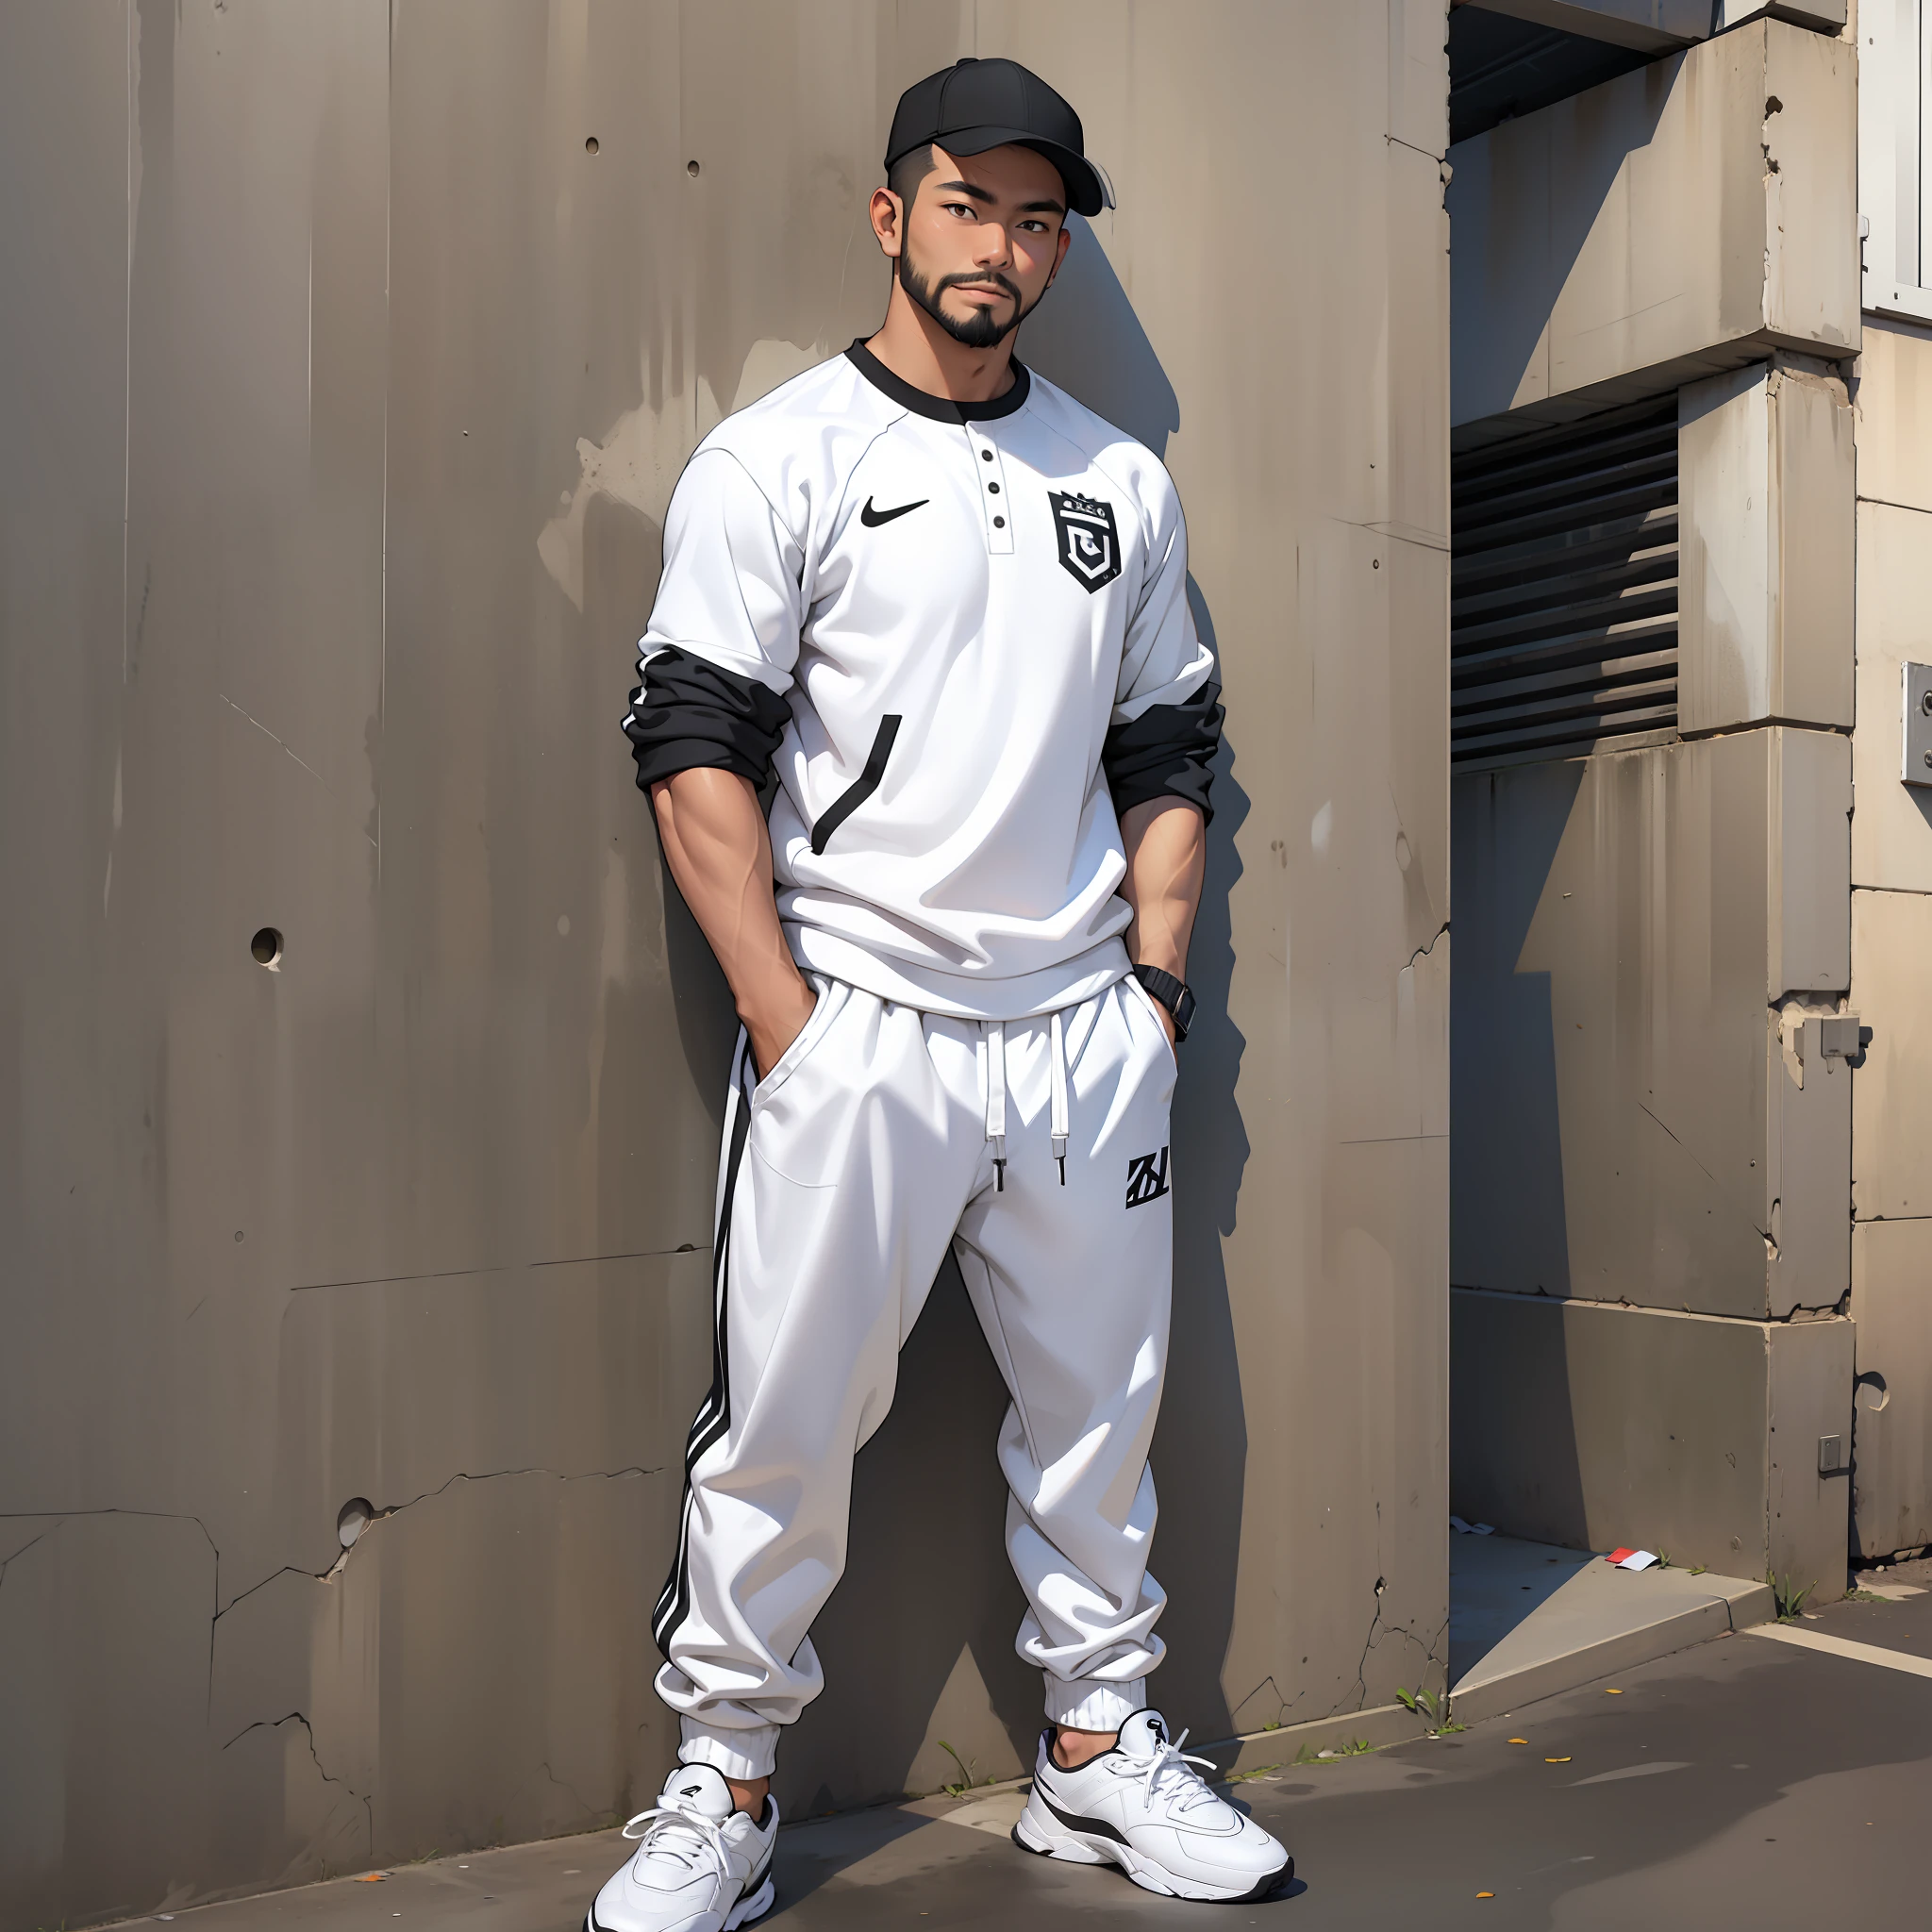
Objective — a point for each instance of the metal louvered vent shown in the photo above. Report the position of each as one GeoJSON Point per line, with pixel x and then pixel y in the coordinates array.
{"type": "Point", "coordinates": [1563, 598]}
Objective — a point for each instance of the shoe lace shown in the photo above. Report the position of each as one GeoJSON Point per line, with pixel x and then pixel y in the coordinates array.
{"type": "Point", "coordinates": [685, 1834]}
{"type": "Point", "coordinates": [1172, 1760]}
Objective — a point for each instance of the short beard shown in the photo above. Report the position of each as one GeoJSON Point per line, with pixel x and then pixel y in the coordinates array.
{"type": "Point", "coordinates": [980, 331]}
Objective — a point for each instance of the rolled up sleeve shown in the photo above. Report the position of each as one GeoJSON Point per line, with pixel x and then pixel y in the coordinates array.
{"type": "Point", "coordinates": [715, 664]}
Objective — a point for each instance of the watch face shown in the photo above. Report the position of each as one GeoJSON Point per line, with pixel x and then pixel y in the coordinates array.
{"type": "Point", "coordinates": [1184, 1012]}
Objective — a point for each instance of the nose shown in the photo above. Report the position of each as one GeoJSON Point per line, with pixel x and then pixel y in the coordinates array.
{"type": "Point", "coordinates": [995, 245]}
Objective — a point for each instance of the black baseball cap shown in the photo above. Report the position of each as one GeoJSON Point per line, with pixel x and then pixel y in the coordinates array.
{"type": "Point", "coordinates": [977, 105]}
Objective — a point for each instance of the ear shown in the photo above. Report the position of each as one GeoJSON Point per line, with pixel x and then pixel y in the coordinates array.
{"type": "Point", "coordinates": [1066, 242]}
{"type": "Point", "coordinates": [888, 215]}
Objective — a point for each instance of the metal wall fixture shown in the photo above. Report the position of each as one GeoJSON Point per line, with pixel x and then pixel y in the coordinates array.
{"type": "Point", "coordinates": [1918, 734]}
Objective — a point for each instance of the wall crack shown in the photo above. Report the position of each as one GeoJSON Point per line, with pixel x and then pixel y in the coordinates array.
{"type": "Point", "coordinates": [296, 1717]}
{"type": "Point", "coordinates": [426, 1495]}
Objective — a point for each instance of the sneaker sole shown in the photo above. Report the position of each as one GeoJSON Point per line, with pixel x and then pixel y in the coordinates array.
{"type": "Point", "coordinates": [1073, 1848]}
{"type": "Point", "coordinates": [747, 1911]}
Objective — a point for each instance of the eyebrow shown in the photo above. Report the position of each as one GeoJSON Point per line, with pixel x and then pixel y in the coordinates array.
{"type": "Point", "coordinates": [987, 196]}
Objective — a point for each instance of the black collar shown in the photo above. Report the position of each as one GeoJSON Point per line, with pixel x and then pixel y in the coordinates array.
{"type": "Point", "coordinates": [940, 409]}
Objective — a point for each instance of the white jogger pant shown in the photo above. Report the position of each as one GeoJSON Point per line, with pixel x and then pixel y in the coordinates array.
{"type": "Point", "coordinates": [1039, 1149]}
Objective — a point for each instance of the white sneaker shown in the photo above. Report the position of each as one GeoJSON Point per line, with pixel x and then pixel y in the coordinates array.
{"type": "Point", "coordinates": [703, 1865]}
{"type": "Point", "coordinates": [1141, 1807]}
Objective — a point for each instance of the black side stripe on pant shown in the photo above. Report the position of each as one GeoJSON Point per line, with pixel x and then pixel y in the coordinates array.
{"type": "Point", "coordinates": [856, 794]}
{"type": "Point", "coordinates": [714, 1414]}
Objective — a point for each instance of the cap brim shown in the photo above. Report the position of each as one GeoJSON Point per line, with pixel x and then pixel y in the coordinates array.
{"type": "Point", "coordinates": [1085, 193]}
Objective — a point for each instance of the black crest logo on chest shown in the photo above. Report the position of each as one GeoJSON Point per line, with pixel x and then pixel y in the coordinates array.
{"type": "Point", "coordinates": [1090, 545]}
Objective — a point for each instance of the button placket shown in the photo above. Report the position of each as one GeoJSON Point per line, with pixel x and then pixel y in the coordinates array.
{"type": "Point", "coordinates": [993, 497]}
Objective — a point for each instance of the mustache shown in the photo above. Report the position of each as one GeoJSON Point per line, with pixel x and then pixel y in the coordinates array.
{"type": "Point", "coordinates": [1003, 283]}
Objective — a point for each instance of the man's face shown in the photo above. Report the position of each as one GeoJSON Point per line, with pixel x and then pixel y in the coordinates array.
{"type": "Point", "coordinates": [982, 240]}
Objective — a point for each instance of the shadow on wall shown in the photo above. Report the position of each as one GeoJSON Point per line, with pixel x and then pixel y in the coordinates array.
{"type": "Point", "coordinates": [1508, 1227]}
{"type": "Point", "coordinates": [1520, 229]}
{"type": "Point", "coordinates": [917, 1642]}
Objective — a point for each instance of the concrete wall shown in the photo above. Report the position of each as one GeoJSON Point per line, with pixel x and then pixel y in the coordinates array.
{"type": "Point", "coordinates": [1892, 952]}
{"type": "Point", "coordinates": [1652, 1155]}
{"type": "Point", "coordinates": [343, 390]}
{"type": "Point", "coordinates": [1679, 221]}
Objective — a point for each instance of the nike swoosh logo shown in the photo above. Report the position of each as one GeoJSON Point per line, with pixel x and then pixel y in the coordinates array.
{"type": "Point", "coordinates": [873, 518]}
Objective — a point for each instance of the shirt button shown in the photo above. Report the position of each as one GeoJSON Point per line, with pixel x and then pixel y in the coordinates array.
{"type": "Point", "coordinates": [999, 523]}
{"type": "Point", "coordinates": [986, 455]}
{"type": "Point", "coordinates": [993, 489]}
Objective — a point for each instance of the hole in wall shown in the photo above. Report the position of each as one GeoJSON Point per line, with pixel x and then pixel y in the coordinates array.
{"type": "Point", "coordinates": [690, 168]}
{"type": "Point", "coordinates": [591, 145]}
{"type": "Point", "coordinates": [355, 1518]}
{"type": "Point", "coordinates": [266, 947]}
{"type": "Point", "coordinates": [1872, 1393]}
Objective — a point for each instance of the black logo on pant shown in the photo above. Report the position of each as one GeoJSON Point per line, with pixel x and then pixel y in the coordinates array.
{"type": "Point", "coordinates": [1146, 1179]}
{"type": "Point", "coordinates": [1090, 544]}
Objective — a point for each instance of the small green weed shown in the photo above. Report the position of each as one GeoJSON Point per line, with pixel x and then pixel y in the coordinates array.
{"type": "Point", "coordinates": [1790, 1603]}
{"type": "Point", "coordinates": [1432, 1705]}
{"type": "Point", "coordinates": [967, 1777]}
{"type": "Point", "coordinates": [1330, 1753]}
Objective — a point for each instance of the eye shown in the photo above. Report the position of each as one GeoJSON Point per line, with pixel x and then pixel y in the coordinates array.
{"type": "Point", "coordinates": [960, 207]}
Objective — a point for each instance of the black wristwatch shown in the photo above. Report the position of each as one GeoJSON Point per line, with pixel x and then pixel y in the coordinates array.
{"type": "Point", "coordinates": [1177, 995]}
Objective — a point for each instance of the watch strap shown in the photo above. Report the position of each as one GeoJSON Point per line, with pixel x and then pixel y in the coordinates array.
{"type": "Point", "coordinates": [1175, 996]}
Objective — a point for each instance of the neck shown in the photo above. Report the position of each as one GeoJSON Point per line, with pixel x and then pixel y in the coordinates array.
{"type": "Point", "coordinates": [917, 350]}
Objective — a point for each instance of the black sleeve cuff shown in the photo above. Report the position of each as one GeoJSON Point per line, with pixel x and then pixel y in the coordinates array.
{"type": "Point", "coordinates": [1167, 752]}
{"type": "Point", "coordinates": [689, 713]}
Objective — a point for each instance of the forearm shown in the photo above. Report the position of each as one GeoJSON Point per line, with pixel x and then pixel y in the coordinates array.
{"type": "Point", "coordinates": [1166, 841]}
{"type": "Point", "coordinates": [718, 850]}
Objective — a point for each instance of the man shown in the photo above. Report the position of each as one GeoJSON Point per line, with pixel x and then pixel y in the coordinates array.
{"type": "Point", "coordinates": [950, 603]}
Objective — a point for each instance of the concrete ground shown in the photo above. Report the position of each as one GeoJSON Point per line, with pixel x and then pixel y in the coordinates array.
{"type": "Point", "coordinates": [1744, 1781]}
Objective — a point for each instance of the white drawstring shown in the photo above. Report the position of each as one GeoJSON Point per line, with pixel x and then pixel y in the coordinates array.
{"type": "Point", "coordinates": [995, 1034]}
{"type": "Point", "coordinates": [996, 1101]}
{"type": "Point", "coordinates": [1056, 1046]}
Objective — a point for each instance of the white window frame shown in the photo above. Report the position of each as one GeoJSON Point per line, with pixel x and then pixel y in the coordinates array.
{"type": "Point", "coordinates": [1895, 156]}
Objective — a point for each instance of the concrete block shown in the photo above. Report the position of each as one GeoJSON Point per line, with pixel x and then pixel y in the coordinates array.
{"type": "Point", "coordinates": [1892, 1443]}
{"type": "Point", "coordinates": [1891, 395]}
{"type": "Point", "coordinates": [1626, 1121]}
{"type": "Point", "coordinates": [1735, 164]}
{"type": "Point", "coordinates": [1891, 1089]}
{"type": "Point", "coordinates": [1892, 832]}
{"type": "Point", "coordinates": [1591, 1426]}
{"type": "Point", "coordinates": [1766, 516]}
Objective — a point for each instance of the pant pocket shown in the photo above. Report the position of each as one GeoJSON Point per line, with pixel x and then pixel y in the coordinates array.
{"type": "Point", "coordinates": [833, 995]}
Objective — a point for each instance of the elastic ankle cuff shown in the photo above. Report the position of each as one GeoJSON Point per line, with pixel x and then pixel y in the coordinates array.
{"type": "Point", "coordinates": [743, 1754]}
{"type": "Point", "coordinates": [1086, 1706]}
